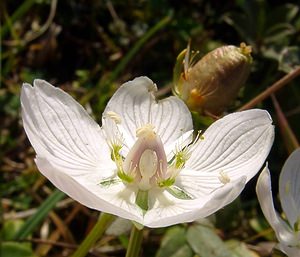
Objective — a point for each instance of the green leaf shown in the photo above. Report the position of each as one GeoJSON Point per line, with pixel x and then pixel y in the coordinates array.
{"type": "Point", "coordinates": [10, 228]}
{"type": "Point", "coordinates": [289, 59]}
{"type": "Point", "coordinates": [173, 243]}
{"type": "Point", "coordinates": [206, 243]}
{"type": "Point", "coordinates": [240, 249]}
{"type": "Point", "coordinates": [14, 249]}
{"type": "Point", "coordinates": [280, 31]}
{"type": "Point", "coordinates": [39, 216]}
{"type": "Point", "coordinates": [183, 251]}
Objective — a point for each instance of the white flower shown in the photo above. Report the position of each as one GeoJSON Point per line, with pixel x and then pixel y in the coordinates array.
{"type": "Point", "coordinates": [288, 234]}
{"type": "Point", "coordinates": [142, 164]}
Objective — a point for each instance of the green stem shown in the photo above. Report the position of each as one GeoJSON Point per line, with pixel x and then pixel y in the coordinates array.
{"type": "Point", "coordinates": [23, 8]}
{"type": "Point", "coordinates": [272, 89]}
{"type": "Point", "coordinates": [135, 242]}
{"type": "Point", "coordinates": [103, 222]}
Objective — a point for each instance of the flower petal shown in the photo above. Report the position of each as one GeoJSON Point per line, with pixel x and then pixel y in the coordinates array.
{"type": "Point", "coordinates": [289, 250]}
{"type": "Point", "coordinates": [264, 194]}
{"type": "Point", "coordinates": [179, 144]}
{"type": "Point", "coordinates": [289, 187]}
{"type": "Point", "coordinates": [134, 101]}
{"type": "Point", "coordinates": [234, 146]}
{"type": "Point", "coordinates": [167, 210]}
{"type": "Point", "coordinates": [86, 189]}
{"type": "Point", "coordinates": [60, 130]}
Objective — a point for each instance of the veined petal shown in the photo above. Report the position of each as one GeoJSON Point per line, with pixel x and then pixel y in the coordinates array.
{"type": "Point", "coordinates": [167, 210]}
{"type": "Point", "coordinates": [179, 144]}
{"type": "Point", "coordinates": [234, 146]}
{"type": "Point", "coordinates": [135, 102]}
{"type": "Point", "coordinates": [290, 251]}
{"type": "Point", "coordinates": [61, 131]}
{"type": "Point", "coordinates": [289, 188]}
{"type": "Point", "coordinates": [86, 189]}
{"type": "Point", "coordinates": [197, 183]}
{"type": "Point", "coordinates": [264, 194]}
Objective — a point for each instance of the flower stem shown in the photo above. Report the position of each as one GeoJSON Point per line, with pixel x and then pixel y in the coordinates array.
{"type": "Point", "coordinates": [103, 222]}
{"type": "Point", "coordinates": [272, 89]}
{"type": "Point", "coordinates": [135, 242]}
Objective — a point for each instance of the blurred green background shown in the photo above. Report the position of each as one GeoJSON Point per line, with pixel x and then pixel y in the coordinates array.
{"type": "Point", "coordinates": [88, 48]}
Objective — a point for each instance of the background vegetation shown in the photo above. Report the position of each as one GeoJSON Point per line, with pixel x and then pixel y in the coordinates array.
{"type": "Point", "coordinates": [89, 48]}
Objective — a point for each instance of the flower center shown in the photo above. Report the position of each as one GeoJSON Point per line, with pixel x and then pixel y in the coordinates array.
{"type": "Point", "coordinates": [146, 162]}
{"type": "Point", "coordinates": [146, 165]}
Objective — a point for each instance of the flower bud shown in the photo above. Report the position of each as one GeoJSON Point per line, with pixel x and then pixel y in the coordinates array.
{"type": "Point", "coordinates": [214, 81]}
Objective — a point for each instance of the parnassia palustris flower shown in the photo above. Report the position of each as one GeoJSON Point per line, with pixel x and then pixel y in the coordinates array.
{"type": "Point", "coordinates": [143, 163]}
{"type": "Point", "coordinates": [288, 233]}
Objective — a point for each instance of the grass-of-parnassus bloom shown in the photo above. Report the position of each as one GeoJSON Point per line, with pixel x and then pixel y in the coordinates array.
{"type": "Point", "coordinates": [143, 164]}
{"type": "Point", "coordinates": [287, 230]}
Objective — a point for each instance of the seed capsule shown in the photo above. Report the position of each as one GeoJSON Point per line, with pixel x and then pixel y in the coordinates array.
{"type": "Point", "coordinates": [214, 81]}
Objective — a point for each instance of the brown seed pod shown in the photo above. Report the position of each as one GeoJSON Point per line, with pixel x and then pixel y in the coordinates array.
{"type": "Point", "coordinates": [214, 81]}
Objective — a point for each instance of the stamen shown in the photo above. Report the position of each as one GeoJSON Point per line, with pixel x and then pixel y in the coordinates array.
{"type": "Point", "coordinates": [224, 178]}
{"type": "Point", "coordinates": [114, 116]}
{"type": "Point", "coordinates": [189, 59]}
{"type": "Point", "coordinates": [198, 137]}
{"type": "Point", "coordinates": [114, 137]}
{"type": "Point", "coordinates": [127, 178]}
{"type": "Point", "coordinates": [115, 152]}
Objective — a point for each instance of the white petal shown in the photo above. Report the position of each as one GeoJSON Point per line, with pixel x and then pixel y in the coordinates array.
{"type": "Point", "coordinates": [60, 130]}
{"type": "Point", "coordinates": [198, 184]}
{"type": "Point", "coordinates": [289, 250]}
{"type": "Point", "coordinates": [179, 144]}
{"type": "Point", "coordinates": [115, 199]}
{"type": "Point", "coordinates": [264, 194]}
{"type": "Point", "coordinates": [168, 210]}
{"type": "Point", "coordinates": [236, 145]}
{"type": "Point", "coordinates": [289, 187]}
{"type": "Point", "coordinates": [134, 101]}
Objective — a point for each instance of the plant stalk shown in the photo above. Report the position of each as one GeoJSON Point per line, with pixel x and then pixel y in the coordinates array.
{"type": "Point", "coordinates": [135, 242]}
{"type": "Point", "coordinates": [103, 222]}
{"type": "Point", "coordinates": [272, 89]}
